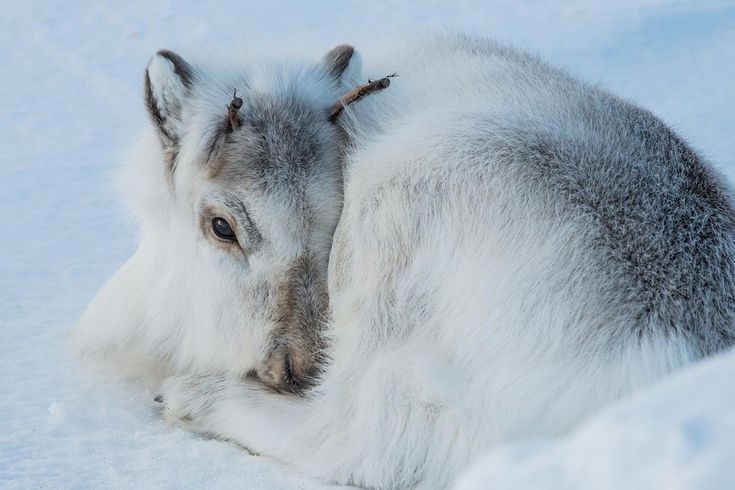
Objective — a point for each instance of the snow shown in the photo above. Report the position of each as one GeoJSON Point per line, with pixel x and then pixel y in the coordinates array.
{"type": "Point", "coordinates": [71, 94]}
{"type": "Point", "coordinates": [678, 435]}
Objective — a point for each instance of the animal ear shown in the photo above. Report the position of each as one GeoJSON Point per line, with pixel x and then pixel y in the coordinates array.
{"type": "Point", "coordinates": [168, 81]}
{"type": "Point", "coordinates": [344, 64]}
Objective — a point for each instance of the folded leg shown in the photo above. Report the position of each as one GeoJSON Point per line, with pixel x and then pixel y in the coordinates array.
{"type": "Point", "coordinates": [243, 411]}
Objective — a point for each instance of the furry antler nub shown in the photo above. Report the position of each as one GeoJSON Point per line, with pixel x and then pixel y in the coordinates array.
{"type": "Point", "coordinates": [232, 110]}
{"type": "Point", "coordinates": [358, 93]}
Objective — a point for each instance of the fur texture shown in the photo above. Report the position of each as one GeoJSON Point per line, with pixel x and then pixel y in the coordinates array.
{"type": "Point", "coordinates": [515, 250]}
{"type": "Point", "coordinates": [189, 301]}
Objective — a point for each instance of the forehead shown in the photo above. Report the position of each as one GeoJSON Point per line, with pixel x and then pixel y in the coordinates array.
{"type": "Point", "coordinates": [280, 142]}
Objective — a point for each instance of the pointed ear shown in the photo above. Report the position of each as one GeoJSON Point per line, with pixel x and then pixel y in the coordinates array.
{"type": "Point", "coordinates": [168, 81]}
{"type": "Point", "coordinates": [344, 64]}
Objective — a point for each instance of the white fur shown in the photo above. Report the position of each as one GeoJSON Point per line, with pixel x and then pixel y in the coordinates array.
{"type": "Point", "coordinates": [465, 312]}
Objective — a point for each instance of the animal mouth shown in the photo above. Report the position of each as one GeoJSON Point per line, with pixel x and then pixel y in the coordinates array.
{"type": "Point", "coordinates": [293, 383]}
{"type": "Point", "coordinates": [280, 373]}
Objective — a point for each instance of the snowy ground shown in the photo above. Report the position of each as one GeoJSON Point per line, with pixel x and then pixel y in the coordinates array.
{"type": "Point", "coordinates": [71, 99]}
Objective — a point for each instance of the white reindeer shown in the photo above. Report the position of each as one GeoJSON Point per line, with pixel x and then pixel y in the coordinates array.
{"type": "Point", "coordinates": [515, 250]}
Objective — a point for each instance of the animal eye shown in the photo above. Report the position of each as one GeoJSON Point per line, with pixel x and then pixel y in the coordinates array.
{"type": "Point", "coordinates": [222, 229]}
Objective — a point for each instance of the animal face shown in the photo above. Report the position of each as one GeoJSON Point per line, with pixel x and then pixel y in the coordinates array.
{"type": "Point", "coordinates": [238, 212]}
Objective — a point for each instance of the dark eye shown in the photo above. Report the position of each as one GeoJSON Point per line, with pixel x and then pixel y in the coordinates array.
{"type": "Point", "coordinates": [222, 229]}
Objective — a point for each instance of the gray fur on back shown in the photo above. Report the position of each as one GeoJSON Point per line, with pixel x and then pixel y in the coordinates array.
{"type": "Point", "coordinates": [659, 220]}
{"type": "Point", "coordinates": [654, 217]}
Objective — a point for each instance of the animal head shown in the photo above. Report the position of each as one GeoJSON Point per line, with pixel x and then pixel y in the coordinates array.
{"type": "Point", "coordinates": [238, 192]}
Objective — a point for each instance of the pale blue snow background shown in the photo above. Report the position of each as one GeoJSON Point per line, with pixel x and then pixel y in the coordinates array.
{"type": "Point", "coordinates": [71, 95]}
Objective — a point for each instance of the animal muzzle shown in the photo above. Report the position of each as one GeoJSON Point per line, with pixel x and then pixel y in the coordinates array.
{"type": "Point", "coordinates": [297, 344]}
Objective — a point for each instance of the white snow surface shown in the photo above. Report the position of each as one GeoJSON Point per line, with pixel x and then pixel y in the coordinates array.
{"type": "Point", "coordinates": [678, 435]}
{"type": "Point", "coordinates": [71, 95]}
